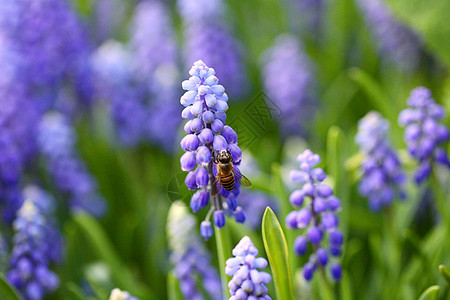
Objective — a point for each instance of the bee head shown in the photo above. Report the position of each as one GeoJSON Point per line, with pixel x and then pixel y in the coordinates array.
{"type": "Point", "coordinates": [224, 156]}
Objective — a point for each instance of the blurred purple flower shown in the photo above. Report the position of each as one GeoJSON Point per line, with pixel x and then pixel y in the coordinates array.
{"type": "Point", "coordinates": [155, 59]}
{"type": "Point", "coordinates": [37, 244]}
{"type": "Point", "coordinates": [397, 43]}
{"type": "Point", "coordinates": [116, 81]}
{"type": "Point", "coordinates": [424, 135]}
{"type": "Point", "coordinates": [383, 178]}
{"type": "Point", "coordinates": [208, 38]}
{"type": "Point", "coordinates": [190, 257]}
{"type": "Point", "coordinates": [254, 204]}
{"type": "Point", "coordinates": [52, 42]}
{"type": "Point", "coordinates": [317, 217]}
{"type": "Point", "coordinates": [57, 142]}
{"type": "Point", "coordinates": [289, 83]}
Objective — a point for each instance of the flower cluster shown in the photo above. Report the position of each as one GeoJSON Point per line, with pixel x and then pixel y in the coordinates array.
{"type": "Point", "coordinates": [398, 43]}
{"type": "Point", "coordinates": [307, 16]}
{"type": "Point", "coordinates": [247, 281]}
{"type": "Point", "coordinates": [189, 255]}
{"type": "Point", "coordinates": [208, 38]}
{"type": "Point", "coordinates": [318, 216]}
{"type": "Point", "coordinates": [424, 135]}
{"type": "Point", "coordinates": [37, 244]}
{"type": "Point", "coordinates": [289, 83]}
{"type": "Point", "coordinates": [18, 116]}
{"type": "Point", "coordinates": [57, 143]}
{"type": "Point", "coordinates": [116, 82]}
{"type": "Point", "coordinates": [383, 176]}
{"type": "Point", "coordinates": [117, 294]}
{"type": "Point", "coordinates": [155, 59]}
{"type": "Point", "coordinates": [50, 39]}
{"type": "Point", "coordinates": [205, 104]}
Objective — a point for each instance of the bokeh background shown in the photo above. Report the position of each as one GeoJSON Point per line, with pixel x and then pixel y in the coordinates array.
{"type": "Point", "coordinates": [90, 114]}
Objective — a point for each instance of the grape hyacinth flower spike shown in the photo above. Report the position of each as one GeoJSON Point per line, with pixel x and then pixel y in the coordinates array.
{"type": "Point", "coordinates": [247, 281]}
{"type": "Point", "coordinates": [205, 104]}
{"type": "Point", "coordinates": [424, 135]}
{"type": "Point", "coordinates": [191, 260]}
{"type": "Point", "coordinates": [316, 217]}
{"type": "Point", "coordinates": [37, 244]}
{"type": "Point", "coordinates": [382, 178]}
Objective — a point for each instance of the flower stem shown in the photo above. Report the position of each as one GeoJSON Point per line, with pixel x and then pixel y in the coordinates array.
{"type": "Point", "coordinates": [223, 251]}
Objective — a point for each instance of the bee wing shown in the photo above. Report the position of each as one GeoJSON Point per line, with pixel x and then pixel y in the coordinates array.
{"type": "Point", "coordinates": [241, 179]}
{"type": "Point", "coordinates": [214, 187]}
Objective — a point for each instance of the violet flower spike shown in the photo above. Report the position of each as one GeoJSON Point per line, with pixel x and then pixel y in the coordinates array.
{"type": "Point", "coordinates": [316, 217]}
{"type": "Point", "coordinates": [37, 244]}
{"type": "Point", "coordinates": [382, 175]}
{"type": "Point", "coordinates": [247, 282]}
{"type": "Point", "coordinates": [189, 256]}
{"type": "Point", "coordinates": [289, 82]}
{"type": "Point", "coordinates": [205, 104]}
{"type": "Point", "coordinates": [57, 142]}
{"type": "Point", "coordinates": [425, 137]}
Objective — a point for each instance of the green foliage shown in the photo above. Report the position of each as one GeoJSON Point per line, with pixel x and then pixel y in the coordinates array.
{"type": "Point", "coordinates": [277, 253]}
{"type": "Point", "coordinates": [430, 19]}
{"type": "Point", "coordinates": [6, 290]}
{"type": "Point", "coordinates": [431, 293]}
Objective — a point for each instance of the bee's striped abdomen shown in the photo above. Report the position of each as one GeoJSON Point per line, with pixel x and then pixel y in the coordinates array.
{"type": "Point", "coordinates": [227, 181]}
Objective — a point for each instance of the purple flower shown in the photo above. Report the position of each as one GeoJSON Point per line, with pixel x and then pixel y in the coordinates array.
{"type": "Point", "coordinates": [19, 113]}
{"type": "Point", "coordinates": [117, 294]}
{"type": "Point", "coordinates": [247, 282]}
{"type": "Point", "coordinates": [208, 38]}
{"type": "Point", "coordinates": [155, 60]}
{"type": "Point", "coordinates": [307, 16]}
{"type": "Point", "coordinates": [318, 221]}
{"type": "Point", "coordinates": [57, 143]}
{"type": "Point", "coordinates": [51, 41]}
{"type": "Point", "coordinates": [289, 83]}
{"type": "Point", "coordinates": [205, 104]}
{"type": "Point", "coordinates": [255, 203]}
{"type": "Point", "coordinates": [424, 135]}
{"type": "Point", "coordinates": [383, 177]}
{"type": "Point", "coordinates": [37, 244]}
{"type": "Point", "coordinates": [189, 256]}
{"type": "Point", "coordinates": [397, 43]}
{"type": "Point", "coordinates": [116, 81]}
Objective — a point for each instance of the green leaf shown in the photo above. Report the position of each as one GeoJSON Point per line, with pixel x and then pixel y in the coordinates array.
{"type": "Point", "coordinates": [445, 272]}
{"type": "Point", "coordinates": [375, 93]}
{"type": "Point", "coordinates": [276, 250]}
{"type": "Point", "coordinates": [223, 253]}
{"type": "Point", "coordinates": [346, 288]}
{"type": "Point", "coordinates": [430, 19]}
{"type": "Point", "coordinates": [97, 288]}
{"type": "Point", "coordinates": [104, 250]}
{"type": "Point", "coordinates": [75, 292]}
{"type": "Point", "coordinates": [7, 291]}
{"type": "Point", "coordinates": [431, 293]}
{"type": "Point", "coordinates": [173, 288]}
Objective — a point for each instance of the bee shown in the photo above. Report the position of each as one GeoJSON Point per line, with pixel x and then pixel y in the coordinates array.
{"type": "Point", "coordinates": [227, 175]}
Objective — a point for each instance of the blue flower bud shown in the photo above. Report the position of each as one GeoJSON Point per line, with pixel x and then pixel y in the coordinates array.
{"type": "Point", "coordinates": [203, 155]}
{"type": "Point", "coordinates": [206, 136]}
{"type": "Point", "coordinates": [206, 230]}
{"type": "Point", "coordinates": [239, 215]}
{"type": "Point", "coordinates": [220, 143]}
{"type": "Point", "coordinates": [208, 117]}
{"type": "Point", "coordinates": [322, 256]}
{"type": "Point", "coordinates": [202, 178]}
{"type": "Point", "coordinates": [219, 218]}
{"type": "Point", "coordinates": [217, 126]}
{"type": "Point", "coordinates": [188, 161]}
{"type": "Point", "coordinates": [308, 271]}
{"type": "Point", "coordinates": [300, 245]}
{"type": "Point", "coordinates": [229, 134]}
{"type": "Point", "coordinates": [191, 180]}
{"type": "Point", "coordinates": [296, 198]}
{"type": "Point", "coordinates": [314, 235]}
{"type": "Point", "coordinates": [336, 271]}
